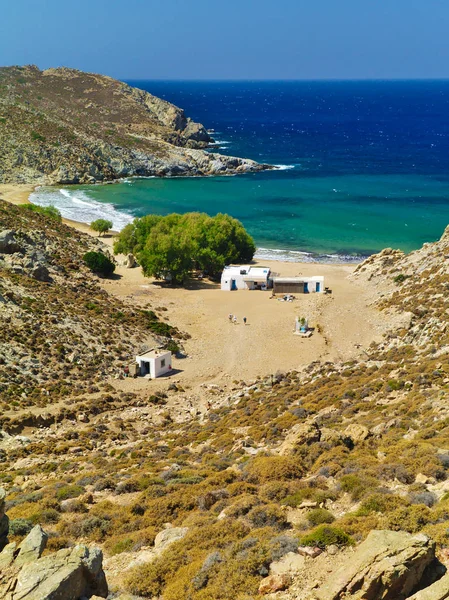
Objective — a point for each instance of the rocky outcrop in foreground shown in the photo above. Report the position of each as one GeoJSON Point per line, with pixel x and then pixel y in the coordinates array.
{"type": "Point", "coordinates": [69, 574]}
{"type": "Point", "coordinates": [63, 126]}
{"type": "Point", "coordinates": [387, 565]}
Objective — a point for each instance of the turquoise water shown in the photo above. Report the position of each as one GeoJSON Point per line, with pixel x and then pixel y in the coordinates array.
{"type": "Point", "coordinates": [362, 168]}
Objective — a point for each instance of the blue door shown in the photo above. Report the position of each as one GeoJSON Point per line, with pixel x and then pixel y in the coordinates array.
{"type": "Point", "coordinates": [318, 286]}
{"type": "Point", "coordinates": [306, 287]}
{"type": "Point", "coordinates": [233, 284]}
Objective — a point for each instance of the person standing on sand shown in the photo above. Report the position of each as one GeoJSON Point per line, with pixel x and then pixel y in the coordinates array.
{"type": "Point", "coordinates": [234, 320]}
{"type": "Point", "coordinates": [230, 317]}
{"type": "Point", "coordinates": [244, 320]}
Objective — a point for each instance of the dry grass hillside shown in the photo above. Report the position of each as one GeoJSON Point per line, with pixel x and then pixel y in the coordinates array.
{"type": "Point", "coordinates": [62, 335]}
{"type": "Point", "coordinates": [204, 507]}
{"type": "Point", "coordinates": [66, 126]}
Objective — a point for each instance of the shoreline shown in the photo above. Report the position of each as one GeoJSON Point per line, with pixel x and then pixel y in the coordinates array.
{"type": "Point", "coordinates": [20, 193]}
{"type": "Point", "coordinates": [345, 321]}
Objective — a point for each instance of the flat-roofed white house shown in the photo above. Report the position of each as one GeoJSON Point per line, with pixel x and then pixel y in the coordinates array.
{"type": "Point", "coordinates": [245, 277]}
{"type": "Point", "coordinates": [154, 363]}
{"type": "Point", "coordinates": [298, 285]}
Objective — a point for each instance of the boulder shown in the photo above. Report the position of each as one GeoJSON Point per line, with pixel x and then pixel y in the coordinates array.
{"type": "Point", "coordinates": [2, 501]}
{"type": "Point", "coordinates": [166, 537]}
{"type": "Point", "coordinates": [4, 521]}
{"type": "Point", "coordinates": [437, 591]}
{"type": "Point", "coordinates": [303, 433]}
{"type": "Point", "coordinates": [40, 272]}
{"type": "Point", "coordinates": [357, 433]}
{"type": "Point", "coordinates": [274, 583]}
{"type": "Point", "coordinates": [70, 574]}
{"type": "Point", "coordinates": [32, 546]}
{"type": "Point", "coordinates": [8, 242]}
{"type": "Point", "coordinates": [290, 563]}
{"type": "Point", "coordinates": [4, 530]}
{"type": "Point", "coordinates": [310, 551]}
{"type": "Point", "coordinates": [388, 565]}
{"type": "Point", "coordinates": [130, 261]}
{"type": "Point", "coordinates": [7, 556]}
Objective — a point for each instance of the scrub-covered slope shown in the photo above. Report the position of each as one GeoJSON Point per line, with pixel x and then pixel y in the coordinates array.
{"type": "Point", "coordinates": [204, 496]}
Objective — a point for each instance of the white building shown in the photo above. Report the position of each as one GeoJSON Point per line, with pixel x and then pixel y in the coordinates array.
{"type": "Point", "coordinates": [154, 363]}
{"type": "Point", "coordinates": [298, 285]}
{"type": "Point", "coordinates": [245, 277]}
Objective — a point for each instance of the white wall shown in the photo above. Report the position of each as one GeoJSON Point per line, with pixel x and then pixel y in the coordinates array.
{"type": "Point", "coordinates": [156, 367]}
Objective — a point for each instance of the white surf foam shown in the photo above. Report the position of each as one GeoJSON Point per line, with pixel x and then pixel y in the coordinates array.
{"type": "Point", "coordinates": [78, 206]}
{"type": "Point", "coordinates": [284, 167]}
{"type": "Point", "coordinates": [308, 257]}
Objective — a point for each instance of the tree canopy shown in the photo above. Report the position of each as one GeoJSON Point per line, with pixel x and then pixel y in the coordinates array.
{"type": "Point", "coordinates": [172, 246]}
{"type": "Point", "coordinates": [101, 225]}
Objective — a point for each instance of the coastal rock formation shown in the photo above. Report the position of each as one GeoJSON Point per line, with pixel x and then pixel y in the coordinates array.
{"type": "Point", "coordinates": [63, 126]}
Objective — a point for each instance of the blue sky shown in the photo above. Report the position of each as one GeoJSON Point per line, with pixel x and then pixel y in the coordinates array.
{"type": "Point", "coordinates": [231, 39]}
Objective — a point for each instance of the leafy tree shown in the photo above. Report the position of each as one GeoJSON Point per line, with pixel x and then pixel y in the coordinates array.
{"type": "Point", "coordinates": [172, 246]}
{"type": "Point", "coordinates": [101, 225]}
{"type": "Point", "coordinates": [99, 263]}
{"type": "Point", "coordinates": [132, 237]}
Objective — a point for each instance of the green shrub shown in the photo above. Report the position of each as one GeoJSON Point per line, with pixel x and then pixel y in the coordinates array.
{"type": "Point", "coordinates": [356, 486]}
{"type": "Point", "coordinates": [69, 491]}
{"type": "Point", "coordinates": [172, 346]}
{"type": "Point", "coordinates": [47, 211]}
{"type": "Point", "coordinates": [379, 503]}
{"type": "Point", "coordinates": [400, 278]}
{"type": "Point", "coordinates": [20, 527]}
{"type": "Point", "coordinates": [408, 518]}
{"type": "Point", "coordinates": [317, 516]}
{"type": "Point", "coordinates": [273, 468]}
{"type": "Point", "coordinates": [324, 536]}
{"type": "Point", "coordinates": [37, 136]}
{"type": "Point", "coordinates": [267, 516]}
{"type": "Point", "coordinates": [99, 263]}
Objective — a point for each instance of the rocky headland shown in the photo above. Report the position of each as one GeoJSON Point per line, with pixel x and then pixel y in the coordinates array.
{"type": "Point", "coordinates": [63, 126]}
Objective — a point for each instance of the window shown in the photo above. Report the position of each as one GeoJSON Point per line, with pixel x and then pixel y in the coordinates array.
{"type": "Point", "coordinates": [163, 363]}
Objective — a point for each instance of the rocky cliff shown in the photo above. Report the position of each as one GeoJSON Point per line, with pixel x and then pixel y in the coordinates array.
{"type": "Point", "coordinates": [62, 126]}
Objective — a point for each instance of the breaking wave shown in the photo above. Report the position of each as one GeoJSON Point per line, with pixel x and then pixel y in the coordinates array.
{"type": "Point", "coordinates": [284, 167]}
{"type": "Point", "coordinates": [308, 257]}
{"type": "Point", "coordinates": [76, 205]}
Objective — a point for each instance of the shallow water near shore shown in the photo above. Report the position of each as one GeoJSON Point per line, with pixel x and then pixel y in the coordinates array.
{"type": "Point", "coordinates": [364, 165]}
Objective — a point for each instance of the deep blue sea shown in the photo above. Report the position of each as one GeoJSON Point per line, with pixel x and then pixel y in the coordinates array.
{"type": "Point", "coordinates": [364, 165]}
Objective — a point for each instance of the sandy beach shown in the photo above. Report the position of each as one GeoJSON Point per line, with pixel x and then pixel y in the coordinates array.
{"type": "Point", "coordinates": [222, 352]}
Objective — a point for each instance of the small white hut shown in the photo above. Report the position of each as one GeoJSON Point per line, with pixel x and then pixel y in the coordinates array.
{"type": "Point", "coordinates": [245, 277]}
{"type": "Point", "coordinates": [154, 363]}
